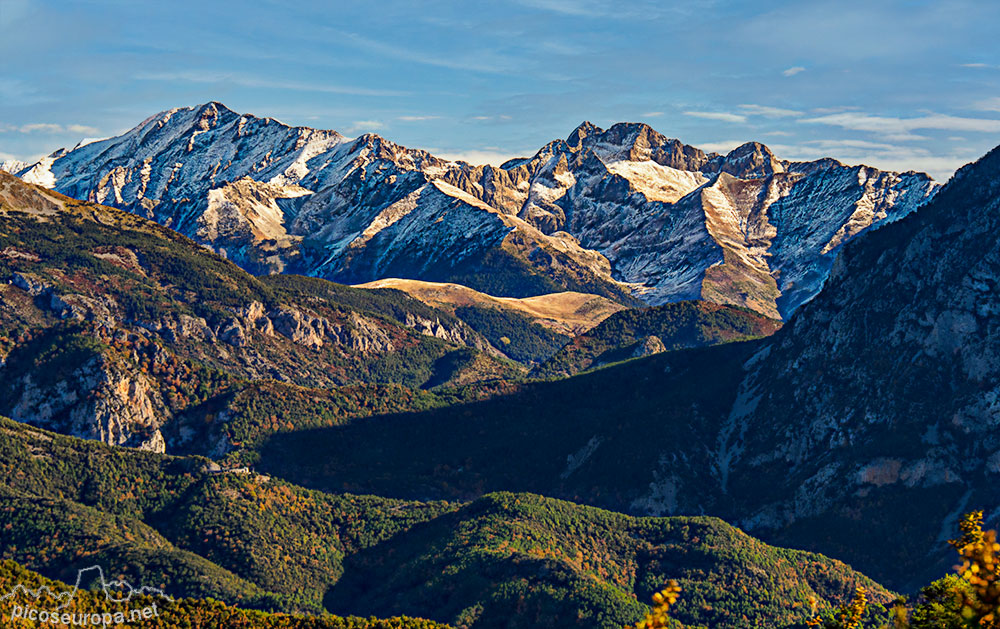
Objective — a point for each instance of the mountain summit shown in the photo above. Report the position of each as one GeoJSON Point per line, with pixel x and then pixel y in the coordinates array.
{"type": "Point", "coordinates": [625, 212]}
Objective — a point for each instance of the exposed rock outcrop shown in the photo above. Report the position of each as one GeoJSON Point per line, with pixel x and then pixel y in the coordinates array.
{"type": "Point", "coordinates": [97, 400]}
{"type": "Point", "coordinates": [649, 346]}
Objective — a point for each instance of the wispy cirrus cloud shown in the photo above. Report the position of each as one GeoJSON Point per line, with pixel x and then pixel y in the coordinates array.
{"type": "Point", "coordinates": [365, 126]}
{"type": "Point", "coordinates": [769, 112]}
{"type": "Point", "coordinates": [613, 10]}
{"type": "Point", "coordinates": [723, 146]}
{"type": "Point", "coordinates": [990, 104]}
{"type": "Point", "coordinates": [50, 128]}
{"type": "Point", "coordinates": [568, 7]}
{"type": "Point", "coordinates": [793, 71]}
{"type": "Point", "coordinates": [417, 118]}
{"type": "Point", "coordinates": [41, 127]}
{"type": "Point", "coordinates": [722, 116]}
{"type": "Point", "coordinates": [827, 145]}
{"type": "Point", "coordinates": [485, 118]}
{"type": "Point", "coordinates": [82, 128]}
{"type": "Point", "coordinates": [484, 61]}
{"type": "Point", "coordinates": [209, 76]}
{"type": "Point", "coordinates": [745, 112]}
{"type": "Point", "coordinates": [903, 128]}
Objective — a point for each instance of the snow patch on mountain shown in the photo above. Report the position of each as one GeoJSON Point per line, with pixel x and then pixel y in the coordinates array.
{"type": "Point", "coordinates": [13, 166]}
{"type": "Point", "coordinates": [41, 173]}
{"type": "Point", "coordinates": [656, 182]}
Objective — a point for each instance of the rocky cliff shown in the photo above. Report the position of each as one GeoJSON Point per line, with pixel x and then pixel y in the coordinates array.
{"type": "Point", "coordinates": [113, 327]}
{"type": "Point", "coordinates": [875, 410]}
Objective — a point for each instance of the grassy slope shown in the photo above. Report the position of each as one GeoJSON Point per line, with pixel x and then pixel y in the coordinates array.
{"type": "Point", "coordinates": [566, 313]}
{"type": "Point", "coordinates": [677, 326]}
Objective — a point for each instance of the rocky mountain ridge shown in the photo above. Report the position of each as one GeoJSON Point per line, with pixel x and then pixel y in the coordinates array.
{"type": "Point", "coordinates": [879, 400]}
{"type": "Point", "coordinates": [624, 212]}
{"type": "Point", "coordinates": [112, 327]}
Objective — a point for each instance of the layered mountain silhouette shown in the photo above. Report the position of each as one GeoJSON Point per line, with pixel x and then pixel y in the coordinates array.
{"type": "Point", "coordinates": [624, 212]}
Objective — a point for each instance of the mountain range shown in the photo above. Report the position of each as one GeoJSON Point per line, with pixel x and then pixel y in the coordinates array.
{"type": "Point", "coordinates": [544, 379]}
{"type": "Point", "coordinates": [625, 212]}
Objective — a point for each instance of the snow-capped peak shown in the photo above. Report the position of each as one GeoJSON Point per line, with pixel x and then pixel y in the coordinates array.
{"type": "Point", "coordinates": [625, 208]}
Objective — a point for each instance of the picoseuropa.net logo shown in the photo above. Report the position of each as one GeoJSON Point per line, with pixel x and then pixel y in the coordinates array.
{"type": "Point", "coordinates": [43, 606]}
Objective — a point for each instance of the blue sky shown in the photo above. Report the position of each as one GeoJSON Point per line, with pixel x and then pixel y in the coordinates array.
{"type": "Point", "coordinates": [901, 85]}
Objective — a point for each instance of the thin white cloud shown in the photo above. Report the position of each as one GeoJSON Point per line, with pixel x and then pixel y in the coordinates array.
{"type": "Point", "coordinates": [41, 127]}
{"type": "Point", "coordinates": [492, 157]}
{"type": "Point", "coordinates": [902, 137]}
{"type": "Point", "coordinates": [990, 104]}
{"type": "Point", "coordinates": [612, 10]}
{"type": "Point", "coordinates": [651, 114]}
{"type": "Point", "coordinates": [262, 82]}
{"type": "Point", "coordinates": [793, 70]}
{"type": "Point", "coordinates": [417, 118]}
{"type": "Point", "coordinates": [723, 146]}
{"type": "Point", "coordinates": [769, 112]}
{"type": "Point", "coordinates": [833, 110]}
{"type": "Point", "coordinates": [83, 129]}
{"type": "Point", "coordinates": [902, 128]}
{"type": "Point", "coordinates": [855, 144]}
{"type": "Point", "coordinates": [365, 126]}
{"type": "Point", "coordinates": [475, 61]}
{"type": "Point", "coordinates": [717, 115]}
{"type": "Point", "coordinates": [779, 133]}
{"type": "Point", "coordinates": [567, 7]}
{"type": "Point", "coordinates": [975, 65]}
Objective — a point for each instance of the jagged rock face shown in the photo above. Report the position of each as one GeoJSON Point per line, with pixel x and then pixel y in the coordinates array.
{"type": "Point", "coordinates": [648, 346]}
{"type": "Point", "coordinates": [248, 212]}
{"type": "Point", "coordinates": [875, 411]}
{"type": "Point", "coordinates": [743, 229]}
{"type": "Point", "coordinates": [623, 211]}
{"type": "Point", "coordinates": [458, 334]}
{"type": "Point", "coordinates": [97, 400]}
{"type": "Point", "coordinates": [115, 328]}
